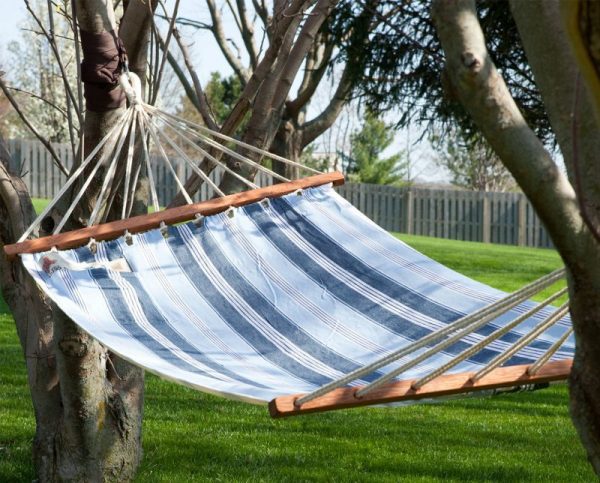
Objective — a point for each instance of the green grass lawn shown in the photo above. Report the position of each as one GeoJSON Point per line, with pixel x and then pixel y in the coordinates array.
{"type": "Point", "coordinates": [190, 436]}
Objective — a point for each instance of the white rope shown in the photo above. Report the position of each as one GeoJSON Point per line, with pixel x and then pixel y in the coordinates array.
{"type": "Point", "coordinates": [110, 174]}
{"type": "Point", "coordinates": [535, 367]}
{"type": "Point", "coordinates": [439, 348]}
{"type": "Point", "coordinates": [230, 152]}
{"type": "Point", "coordinates": [192, 164]}
{"type": "Point", "coordinates": [72, 178]}
{"type": "Point", "coordinates": [522, 342]}
{"type": "Point", "coordinates": [120, 124]}
{"type": "Point", "coordinates": [474, 349]}
{"type": "Point", "coordinates": [163, 154]}
{"type": "Point", "coordinates": [151, 181]}
{"type": "Point", "coordinates": [224, 137]}
{"type": "Point", "coordinates": [498, 307]}
{"type": "Point", "coordinates": [181, 133]}
{"type": "Point", "coordinates": [136, 178]}
{"type": "Point", "coordinates": [127, 188]}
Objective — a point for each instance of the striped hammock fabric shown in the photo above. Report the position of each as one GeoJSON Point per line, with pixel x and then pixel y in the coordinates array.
{"type": "Point", "coordinates": [274, 298]}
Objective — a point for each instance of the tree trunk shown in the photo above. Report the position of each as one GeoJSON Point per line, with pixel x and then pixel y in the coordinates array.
{"type": "Point", "coordinates": [287, 144]}
{"type": "Point", "coordinates": [482, 91]}
{"type": "Point", "coordinates": [88, 402]}
{"type": "Point", "coordinates": [33, 318]}
{"type": "Point", "coordinates": [584, 381]}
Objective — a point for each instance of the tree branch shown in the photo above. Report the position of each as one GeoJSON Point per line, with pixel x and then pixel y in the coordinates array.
{"type": "Point", "coordinates": [305, 39]}
{"type": "Point", "coordinates": [556, 72]}
{"type": "Point", "coordinates": [482, 91]}
{"type": "Point", "coordinates": [30, 126]}
{"type": "Point", "coordinates": [316, 66]}
{"type": "Point", "coordinates": [247, 31]}
{"type": "Point", "coordinates": [165, 48]}
{"type": "Point", "coordinates": [203, 106]}
{"type": "Point", "coordinates": [221, 38]}
{"type": "Point", "coordinates": [317, 126]}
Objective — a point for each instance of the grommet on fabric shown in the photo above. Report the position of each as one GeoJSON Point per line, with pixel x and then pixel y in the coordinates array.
{"type": "Point", "coordinates": [93, 246]}
{"type": "Point", "coordinates": [230, 212]}
{"type": "Point", "coordinates": [164, 229]}
{"type": "Point", "coordinates": [128, 237]}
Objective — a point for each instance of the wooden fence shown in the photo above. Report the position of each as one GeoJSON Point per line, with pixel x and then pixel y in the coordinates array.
{"type": "Point", "coordinates": [506, 218]}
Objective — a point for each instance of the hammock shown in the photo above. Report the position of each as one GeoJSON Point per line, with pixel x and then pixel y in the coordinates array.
{"type": "Point", "coordinates": [285, 294]}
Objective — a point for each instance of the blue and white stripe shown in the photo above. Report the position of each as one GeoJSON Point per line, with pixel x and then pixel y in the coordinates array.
{"type": "Point", "coordinates": [279, 299]}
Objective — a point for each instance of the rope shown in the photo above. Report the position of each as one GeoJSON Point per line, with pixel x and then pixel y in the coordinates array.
{"type": "Point", "coordinates": [71, 180]}
{"type": "Point", "coordinates": [84, 187]}
{"type": "Point", "coordinates": [161, 150]}
{"type": "Point", "coordinates": [128, 167]}
{"type": "Point", "coordinates": [498, 307]}
{"type": "Point", "coordinates": [112, 169]}
{"type": "Point", "coordinates": [233, 154]}
{"type": "Point", "coordinates": [485, 342]}
{"type": "Point", "coordinates": [534, 368]}
{"type": "Point", "coordinates": [193, 165]}
{"type": "Point", "coordinates": [436, 350]}
{"type": "Point", "coordinates": [151, 181]}
{"type": "Point", "coordinates": [522, 342]}
{"type": "Point", "coordinates": [224, 137]}
{"type": "Point", "coordinates": [189, 142]}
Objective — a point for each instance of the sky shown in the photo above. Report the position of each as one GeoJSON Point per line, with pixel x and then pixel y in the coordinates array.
{"type": "Point", "coordinates": [207, 58]}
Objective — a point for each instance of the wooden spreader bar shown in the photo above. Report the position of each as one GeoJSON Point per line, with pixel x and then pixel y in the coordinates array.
{"type": "Point", "coordinates": [136, 224]}
{"type": "Point", "coordinates": [444, 385]}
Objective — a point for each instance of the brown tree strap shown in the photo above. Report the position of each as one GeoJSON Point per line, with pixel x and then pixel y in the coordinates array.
{"type": "Point", "coordinates": [104, 57]}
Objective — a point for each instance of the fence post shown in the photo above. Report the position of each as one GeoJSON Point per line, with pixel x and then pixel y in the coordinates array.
{"type": "Point", "coordinates": [486, 225]}
{"type": "Point", "coordinates": [522, 221]}
{"type": "Point", "coordinates": [408, 211]}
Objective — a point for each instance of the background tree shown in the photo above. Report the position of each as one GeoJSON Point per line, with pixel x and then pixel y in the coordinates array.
{"type": "Point", "coordinates": [471, 162]}
{"type": "Point", "coordinates": [221, 95]}
{"type": "Point", "coordinates": [365, 163]}
{"type": "Point", "coordinates": [36, 79]}
{"type": "Point", "coordinates": [563, 53]}
{"type": "Point", "coordinates": [403, 73]}
{"type": "Point", "coordinates": [284, 117]}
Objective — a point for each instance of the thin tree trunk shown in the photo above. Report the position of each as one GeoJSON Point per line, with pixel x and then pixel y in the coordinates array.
{"type": "Point", "coordinates": [33, 316]}
{"type": "Point", "coordinates": [287, 144]}
{"type": "Point", "coordinates": [482, 91]}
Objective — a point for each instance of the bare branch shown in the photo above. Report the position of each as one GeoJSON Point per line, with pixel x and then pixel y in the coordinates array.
{"type": "Point", "coordinates": [203, 106]}
{"type": "Point", "coordinates": [189, 89]}
{"type": "Point", "coordinates": [165, 49]}
{"type": "Point", "coordinates": [220, 37]}
{"type": "Point", "coordinates": [57, 55]}
{"type": "Point", "coordinates": [260, 7]}
{"type": "Point", "coordinates": [39, 98]}
{"type": "Point", "coordinates": [30, 126]}
{"type": "Point", "coordinates": [314, 128]}
{"type": "Point", "coordinates": [69, 110]}
{"type": "Point", "coordinates": [247, 31]}
{"type": "Point", "coordinates": [305, 40]}
{"type": "Point", "coordinates": [316, 66]}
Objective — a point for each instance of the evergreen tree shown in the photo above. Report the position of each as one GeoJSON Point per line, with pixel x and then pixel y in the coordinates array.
{"type": "Point", "coordinates": [365, 164]}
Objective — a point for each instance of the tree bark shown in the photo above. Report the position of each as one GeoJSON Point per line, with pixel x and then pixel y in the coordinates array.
{"type": "Point", "coordinates": [88, 403]}
{"type": "Point", "coordinates": [482, 91]}
{"type": "Point", "coordinates": [33, 317]}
